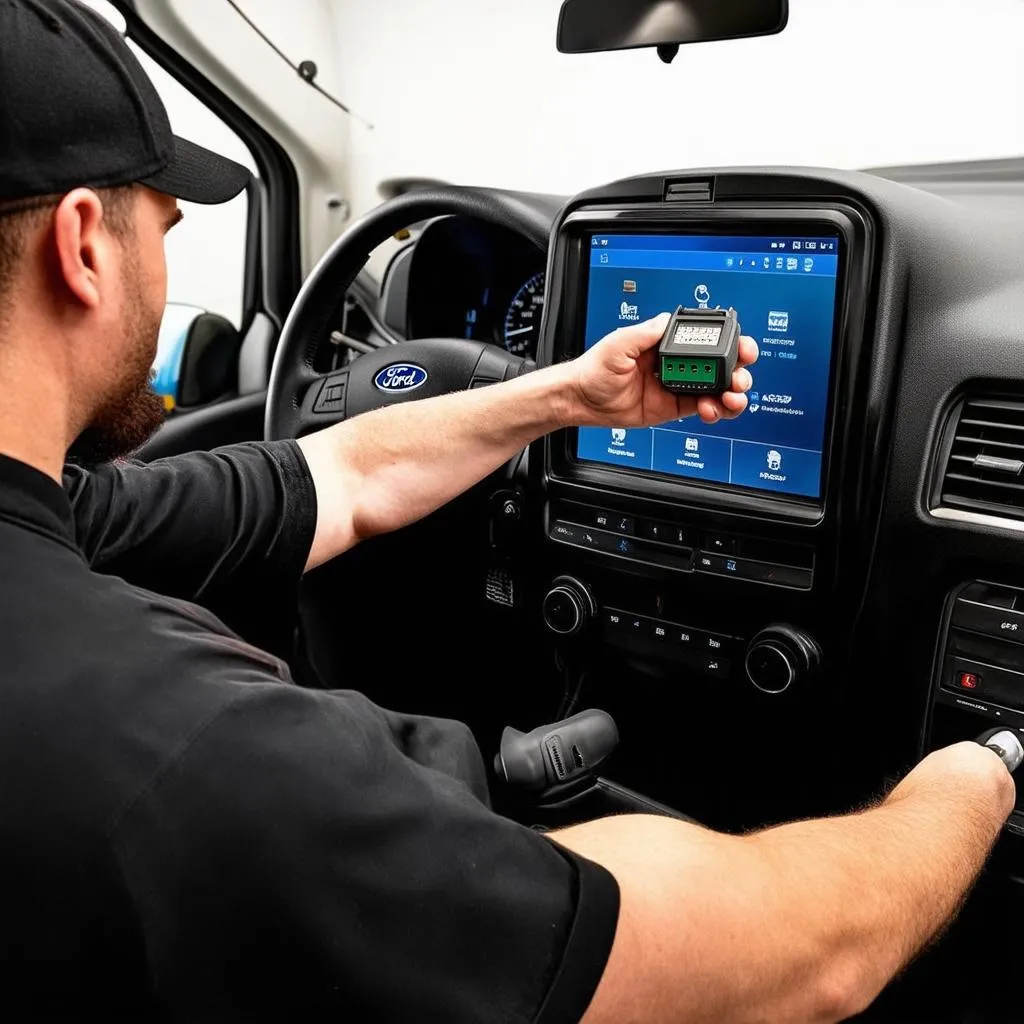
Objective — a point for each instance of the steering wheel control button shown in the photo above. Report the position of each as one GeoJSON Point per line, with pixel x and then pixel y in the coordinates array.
{"type": "Point", "coordinates": [331, 398]}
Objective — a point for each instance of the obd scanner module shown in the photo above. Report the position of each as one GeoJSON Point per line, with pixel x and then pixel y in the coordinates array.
{"type": "Point", "coordinates": [697, 354]}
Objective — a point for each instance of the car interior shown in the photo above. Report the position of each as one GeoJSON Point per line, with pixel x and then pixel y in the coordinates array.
{"type": "Point", "coordinates": [760, 620]}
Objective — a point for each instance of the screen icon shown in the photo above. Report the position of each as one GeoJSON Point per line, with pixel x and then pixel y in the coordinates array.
{"type": "Point", "coordinates": [755, 401]}
{"type": "Point", "coordinates": [775, 245]}
{"type": "Point", "coordinates": [774, 460]}
{"type": "Point", "coordinates": [604, 257]}
{"type": "Point", "coordinates": [767, 262]}
{"type": "Point", "coordinates": [780, 262]}
{"type": "Point", "coordinates": [629, 286]}
{"type": "Point", "coordinates": [791, 262]}
{"type": "Point", "coordinates": [778, 320]}
{"type": "Point", "coordinates": [703, 294]}
{"type": "Point", "coordinates": [594, 241]}
{"type": "Point", "coordinates": [629, 312]}
{"type": "Point", "coordinates": [692, 444]}
{"type": "Point", "coordinates": [797, 245]}
{"type": "Point", "coordinates": [808, 264]}
{"type": "Point", "coordinates": [604, 241]}
{"type": "Point", "coordinates": [730, 261]}
{"type": "Point", "coordinates": [811, 245]}
{"type": "Point", "coordinates": [618, 435]}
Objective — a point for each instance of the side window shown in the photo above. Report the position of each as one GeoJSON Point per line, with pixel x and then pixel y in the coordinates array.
{"type": "Point", "coordinates": [206, 256]}
{"type": "Point", "coordinates": [206, 253]}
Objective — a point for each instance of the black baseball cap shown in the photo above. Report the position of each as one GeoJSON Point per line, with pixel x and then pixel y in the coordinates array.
{"type": "Point", "coordinates": [76, 109]}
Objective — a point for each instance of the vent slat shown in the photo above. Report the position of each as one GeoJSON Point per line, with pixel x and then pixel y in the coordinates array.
{"type": "Point", "coordinates": [992, 427]}
{"type": "Point", "coordinates": [993, 424]}
{"type": "Point", "coordinates": [1012, 445]}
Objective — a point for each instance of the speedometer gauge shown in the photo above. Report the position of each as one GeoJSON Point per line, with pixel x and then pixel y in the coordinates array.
{"type": "Point", "coordinates": [522, 321]}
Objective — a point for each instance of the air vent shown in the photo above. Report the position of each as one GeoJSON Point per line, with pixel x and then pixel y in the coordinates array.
{"type": "Point", "coordinates": [695, 190]}
{"type": "Point", "coordinates": [985, 470]}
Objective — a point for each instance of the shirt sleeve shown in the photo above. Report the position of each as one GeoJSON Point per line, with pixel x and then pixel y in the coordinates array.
{"type": "Point", "coordinates": [295, 859]}
{"type": "Point", "coordinates": [229, 529]}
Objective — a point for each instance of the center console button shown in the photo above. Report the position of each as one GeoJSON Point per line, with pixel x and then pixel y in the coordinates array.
{"type": "Point", "coordinates": [662, 631]}
{"type": "Point", "coordinates": [686, 637]}
{"type": "Point", "coordinates": [614, 521]}
{"type": "Point", "coordinates": [713, 665]}
{"type": "Point", "coordinates": [614, 619]}
{"type": "Point", "coordinates": [716, 643]}
{"type": "Point", "coordinates": [666, 533]}
{"type": "Point", "coordinates": [719, 543]}
{"type": "Point", "coordinates": [982, 618]}
{"type": "Point", "coordinates": [720, 565]}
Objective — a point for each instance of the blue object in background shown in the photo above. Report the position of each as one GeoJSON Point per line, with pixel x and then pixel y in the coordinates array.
{"type": "Point", "coordinates": [170, 347]}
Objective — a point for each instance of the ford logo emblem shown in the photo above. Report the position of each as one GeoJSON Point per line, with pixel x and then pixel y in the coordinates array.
{"type": "Point", "coordinates": [400, 377]}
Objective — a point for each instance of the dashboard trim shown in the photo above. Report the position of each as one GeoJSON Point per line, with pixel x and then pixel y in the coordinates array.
{"type": "Point", "coordinates": [957, 515]}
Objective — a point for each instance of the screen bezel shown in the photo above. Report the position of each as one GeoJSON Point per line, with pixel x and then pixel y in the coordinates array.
{"type": "Point", "coordinates": [568, 326]}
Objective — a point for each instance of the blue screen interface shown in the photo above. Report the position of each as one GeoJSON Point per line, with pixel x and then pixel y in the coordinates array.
{"type": "Point", "coordinates": [783, 289]}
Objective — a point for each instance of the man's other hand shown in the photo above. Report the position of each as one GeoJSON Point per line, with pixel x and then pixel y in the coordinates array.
{"type": "Point", "coordinates": [615, 383]}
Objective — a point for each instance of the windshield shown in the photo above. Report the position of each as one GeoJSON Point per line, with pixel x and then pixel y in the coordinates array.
{"type": "Point", "coordinates": [474, 91]}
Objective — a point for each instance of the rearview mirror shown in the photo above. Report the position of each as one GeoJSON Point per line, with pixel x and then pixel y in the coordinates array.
{"type": "Point", "coordinates": [591, 26]}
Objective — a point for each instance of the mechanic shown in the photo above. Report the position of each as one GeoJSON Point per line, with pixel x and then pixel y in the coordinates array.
{"type": "Point", "coordinates": [186, 833]}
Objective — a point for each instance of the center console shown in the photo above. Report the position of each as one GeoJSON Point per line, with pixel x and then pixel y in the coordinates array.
{"type": "Point", "coordinates": [712, 562]}
{"type": "Point", "coordinates": [741, 508]}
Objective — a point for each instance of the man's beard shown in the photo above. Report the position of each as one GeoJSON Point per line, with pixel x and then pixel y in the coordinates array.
{"type": "Point", "coordinates": [133, 411]}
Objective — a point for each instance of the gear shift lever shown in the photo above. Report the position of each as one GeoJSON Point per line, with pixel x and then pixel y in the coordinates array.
{"type": "Point", "coordinates": [551, 756]}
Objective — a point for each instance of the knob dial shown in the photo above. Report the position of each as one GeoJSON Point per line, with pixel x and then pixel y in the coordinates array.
{"type": "Point", "coordinates": [780, 656]}
{"type": "Point", "coordinates": [568, 606]}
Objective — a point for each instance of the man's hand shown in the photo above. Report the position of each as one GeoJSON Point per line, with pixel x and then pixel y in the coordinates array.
{"type": "Point", "coordinates": [614, 382]}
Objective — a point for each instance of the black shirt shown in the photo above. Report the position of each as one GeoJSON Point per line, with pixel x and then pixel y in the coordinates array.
{"type": "Point", "coordinates": [186, 834]}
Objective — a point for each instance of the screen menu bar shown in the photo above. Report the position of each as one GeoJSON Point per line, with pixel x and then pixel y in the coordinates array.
{"type": "Point", "coordinates": [748, 261]}
{"type": "Point", "coordinates": [718, 243]}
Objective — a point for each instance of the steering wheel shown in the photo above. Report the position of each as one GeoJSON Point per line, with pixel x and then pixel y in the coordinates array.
{"type": "Point", "coordinates": [301, 400]}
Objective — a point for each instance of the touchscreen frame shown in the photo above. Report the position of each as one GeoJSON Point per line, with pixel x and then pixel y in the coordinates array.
{"type": "Point", "coordinates": [567, 322]}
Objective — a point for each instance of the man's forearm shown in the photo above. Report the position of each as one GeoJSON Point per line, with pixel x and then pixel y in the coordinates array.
{"type": "Point", "coordinates": [387, 468]}
{"type": "Point", "coordinates": [805, 922]}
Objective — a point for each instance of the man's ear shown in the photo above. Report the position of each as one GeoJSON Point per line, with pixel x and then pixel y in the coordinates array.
{"type": "Point", "coordinates": [84, 249]}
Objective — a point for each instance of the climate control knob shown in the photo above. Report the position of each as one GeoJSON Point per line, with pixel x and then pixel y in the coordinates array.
{"type": "Point", "coordinates": [780, 656]}
{"type": "Point", "coordinates": [568, 607]}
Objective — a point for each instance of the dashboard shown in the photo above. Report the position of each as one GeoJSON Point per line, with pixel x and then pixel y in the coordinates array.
{"type": "Point", "coordinates": [785, 612]}
{"type": "Point", "coordinates": [788, 610]}
{"type": "Point", "coordinates": [471, 279]}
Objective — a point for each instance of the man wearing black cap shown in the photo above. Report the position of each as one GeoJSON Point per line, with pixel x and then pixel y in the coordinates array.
{"type": "Point", "coordinates": [184, 833]}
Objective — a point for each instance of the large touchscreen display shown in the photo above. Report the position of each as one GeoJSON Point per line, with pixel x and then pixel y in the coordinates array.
{"type": "Point", "coordinates": [783, 288]}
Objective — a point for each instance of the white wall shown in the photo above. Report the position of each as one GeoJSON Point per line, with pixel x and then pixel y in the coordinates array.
{"type": "Point", "coordinates": [475, 91]}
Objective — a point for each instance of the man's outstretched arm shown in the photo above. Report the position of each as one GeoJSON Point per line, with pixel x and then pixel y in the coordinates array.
{"type": "Point", "coordinates": [805, 922]}
{"type": "Point", "coordinates": [388, 468]}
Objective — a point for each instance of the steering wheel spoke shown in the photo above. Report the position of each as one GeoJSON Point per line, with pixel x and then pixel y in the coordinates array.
{"type": "Point", "coordinates": [299, 400]}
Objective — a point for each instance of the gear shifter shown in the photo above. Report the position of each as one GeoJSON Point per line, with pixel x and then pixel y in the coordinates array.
{"type": "Point", "coordinates": [1006, 744]}
{"type": "Point", "coordinates": [553, 756]}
